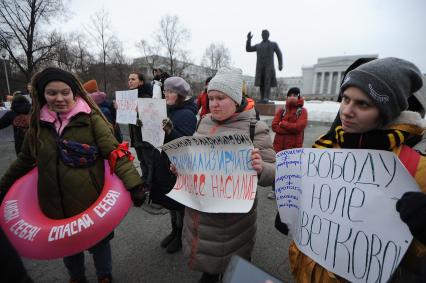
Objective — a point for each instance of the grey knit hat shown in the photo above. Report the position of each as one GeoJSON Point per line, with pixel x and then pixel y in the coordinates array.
{"type": "Point", "coordinates": [178, 85]}
{"type": "Point", "coordinates": [389, 82]}
{"type": "Point", "coordinates": [229, 81]}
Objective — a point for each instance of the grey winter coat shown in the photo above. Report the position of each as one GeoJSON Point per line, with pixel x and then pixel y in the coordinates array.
{"type": "Point", "coordinates": [210, 239]}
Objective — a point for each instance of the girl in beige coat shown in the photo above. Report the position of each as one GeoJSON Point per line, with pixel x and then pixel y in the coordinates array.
{"type": "Point", "coordinates": [210, 239]}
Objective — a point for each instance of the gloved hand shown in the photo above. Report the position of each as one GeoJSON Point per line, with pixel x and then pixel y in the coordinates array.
{"type": "Point", "coordinates": [167, 126]}
{"type": "Point", "coordinates": [282, 227]}
{"type": "Point", "coordinates": [412, 210]}
{"type": "Point", "coordinates": [138, 194]}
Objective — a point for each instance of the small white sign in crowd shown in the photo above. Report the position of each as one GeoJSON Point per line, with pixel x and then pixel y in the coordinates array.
{"type": "Point", "coordinates": [339, 205]}
{"type": "Point", "coordinates": [151, 112]}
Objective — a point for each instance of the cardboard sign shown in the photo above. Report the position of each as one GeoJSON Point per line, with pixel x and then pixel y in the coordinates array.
{"type": "Point", "coordinates": [127, 101]}
{"type": "Point", "coordinates": [340, 207]}
{"type": "Point", "coordinates": [152, 112]}
{"type": "Point", "coordinates": [214, 172]}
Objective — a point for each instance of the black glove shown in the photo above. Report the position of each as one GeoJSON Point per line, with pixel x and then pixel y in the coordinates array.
{"type": "Point", "coordinates": [282, 227]}
{"type": "Point", "coordinates": [138, 194]}
{"type": "Point", "coordinates": [167, 125]}
{"type": "Point", "coordinates": [412, 210]}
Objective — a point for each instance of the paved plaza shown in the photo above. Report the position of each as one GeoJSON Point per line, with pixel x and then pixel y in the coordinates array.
{"type": "Point", "coordinates": [137, 255]}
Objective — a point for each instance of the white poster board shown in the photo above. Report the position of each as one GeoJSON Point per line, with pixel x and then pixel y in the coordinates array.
{"type": "Point", "coordinates": [152, 112]}
{"type": "Point", "coordinates": [127, 101]}
{"type": "Point", "coordinates": [214, 172]}
{"type": "Point", "coordinates": [339, 205]}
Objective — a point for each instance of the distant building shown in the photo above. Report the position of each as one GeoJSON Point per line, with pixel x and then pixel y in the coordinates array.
{"type": "Point", "coordinates": [323, 79]}
{"type": "Point", "coordinates": [277, 93]}
{"type": "Point", "coordinates": [186, 70]}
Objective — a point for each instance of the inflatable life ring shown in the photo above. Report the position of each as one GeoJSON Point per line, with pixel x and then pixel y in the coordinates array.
{"type": "Point", "coordinates": [38, 237]}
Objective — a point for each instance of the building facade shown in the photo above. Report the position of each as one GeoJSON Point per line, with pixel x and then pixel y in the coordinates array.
{"type": "Point", "coordinates": [323, 79]}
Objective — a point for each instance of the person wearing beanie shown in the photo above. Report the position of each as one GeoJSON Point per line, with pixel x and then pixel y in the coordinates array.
{"type": "Point", "coordinates": [91, 86]}
{"type": "Point", "coordinates": [18, 116]}
{"type": "Point", "coordinates": [203, 100]}
{"type": "Point", "coordinates": [374, 115]}
{"type": "Point", "coordinates": [181, 121]}
{"type": "Point", "coordinates": [289, 125]}
{"type": "Point", "coordinates": [229, 112]}
{"type": "Point", "coordinates": [159, 76]}
{"type": "Point", "coordinates": [68, 140]}
{"type": "Point", "coordinates": [107, 107]}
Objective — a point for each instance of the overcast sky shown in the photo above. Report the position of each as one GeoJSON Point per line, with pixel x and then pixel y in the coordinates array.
{"type": "Point", "coordinates": [304, 29]}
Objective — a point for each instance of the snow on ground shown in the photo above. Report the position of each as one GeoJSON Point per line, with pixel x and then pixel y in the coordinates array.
{"type": "Point", "coordinates": [322, 111]}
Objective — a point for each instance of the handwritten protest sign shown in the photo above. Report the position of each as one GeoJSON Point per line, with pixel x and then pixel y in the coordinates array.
{"type": "Point", "coordinates": [340, 207]}
{"type": "Point", "coordinates": [127, 101]}
{"type": "Point", "coordinates": [215, 172]}
{"type": "Point", "coordinates": [152, 112]}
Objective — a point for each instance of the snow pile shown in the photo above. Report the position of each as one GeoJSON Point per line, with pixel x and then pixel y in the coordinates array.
{"type": "Point", "coordinates": [321, 111]}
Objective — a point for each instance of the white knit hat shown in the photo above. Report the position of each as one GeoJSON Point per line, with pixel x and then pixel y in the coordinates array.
{"type": "Point", "coordinates": [229, 81]}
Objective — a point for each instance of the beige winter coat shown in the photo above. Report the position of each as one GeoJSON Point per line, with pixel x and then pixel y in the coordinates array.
{"type": "Point", "coordinates": [210, 239]}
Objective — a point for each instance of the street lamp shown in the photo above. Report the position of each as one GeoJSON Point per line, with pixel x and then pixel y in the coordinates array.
{"type": "Point", "coordinates": [4, 55]}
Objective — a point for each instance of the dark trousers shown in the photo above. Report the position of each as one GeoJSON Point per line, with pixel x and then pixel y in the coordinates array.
{"type": "Point", "coordinates": [101, 256]}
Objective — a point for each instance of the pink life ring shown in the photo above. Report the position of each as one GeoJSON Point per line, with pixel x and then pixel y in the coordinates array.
{"type": "Point", "coordinates": [38, 237]}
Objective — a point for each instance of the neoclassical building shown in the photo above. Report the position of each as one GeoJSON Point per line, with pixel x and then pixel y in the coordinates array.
{"type": "Point", "coordinates": [323, 79]}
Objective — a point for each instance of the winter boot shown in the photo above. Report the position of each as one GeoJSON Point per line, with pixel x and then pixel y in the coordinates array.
{"type": "Point", "coordinates": [105, 279]}
{"type": "Point", "coordinates": [169, 238]}
{"type": "Point", "coordinates": [176, 244]}
{"type": "Point", "coordinates": [209, 278]}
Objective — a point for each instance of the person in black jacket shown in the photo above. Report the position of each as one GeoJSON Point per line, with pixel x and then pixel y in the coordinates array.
{"type": "Point", "coordinates": [137, 81]}
{"type": "Point", "coordinates": [181, 121]}
{"type": "Point", "coordinates": [19, 118]}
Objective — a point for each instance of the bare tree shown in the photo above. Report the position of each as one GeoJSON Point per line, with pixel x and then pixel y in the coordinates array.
{"type": "Point", "coordinates": [150, 53]}
{"type": "Point", "coordinates": [21, 23]}
{"type": "Point", "coordinates": [73, 54]}
{"type": "Point", "coordinates": [215, 56]}
{"type": "Point", "coordinates": [171, 36]}
{"type": "Point", "coordinates": [103, 37]}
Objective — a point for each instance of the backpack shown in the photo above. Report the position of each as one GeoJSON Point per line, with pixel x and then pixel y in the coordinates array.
{"type": "Point", "coordinates": [252, 129]}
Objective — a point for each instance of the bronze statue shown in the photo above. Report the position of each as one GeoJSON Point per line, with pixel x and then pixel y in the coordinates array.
{"type": "Point", "coordinates": [265, 69]}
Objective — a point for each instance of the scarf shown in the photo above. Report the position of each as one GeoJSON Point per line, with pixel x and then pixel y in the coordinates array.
{"type": "Point", "coordinates": [376, 139]}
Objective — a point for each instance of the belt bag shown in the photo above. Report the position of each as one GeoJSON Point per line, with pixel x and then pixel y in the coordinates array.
{"type": "Point", "coordinates": [77, 155]}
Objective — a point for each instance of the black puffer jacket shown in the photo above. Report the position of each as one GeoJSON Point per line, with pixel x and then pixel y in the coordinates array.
{"type": "Point", "coordinates": [20, 110]}
{"type": "Point", "coordinates": [184, 124]}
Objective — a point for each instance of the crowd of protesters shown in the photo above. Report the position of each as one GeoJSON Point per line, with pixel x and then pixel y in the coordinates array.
{"type": "Point", "coordinates": [380, 109]}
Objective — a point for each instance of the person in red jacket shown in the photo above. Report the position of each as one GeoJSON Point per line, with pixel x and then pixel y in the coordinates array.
{"type": "Point", "coordinates": [203, 100]}
{"type": "Point", "coordinates": [289, 125]}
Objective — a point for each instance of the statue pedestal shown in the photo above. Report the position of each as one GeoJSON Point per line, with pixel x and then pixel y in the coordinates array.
{"type": "Point", "coordinates": [268, 109]}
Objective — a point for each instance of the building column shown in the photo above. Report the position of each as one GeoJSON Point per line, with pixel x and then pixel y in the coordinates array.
{"type": "Point", "coordinates": [322, 83]}
{"type": "Point", "coordinates": [339, 78]}
{"type": "Point", "coordinates": [315, 83]}
{"type": "Point", "coordinates": [330, 79]}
